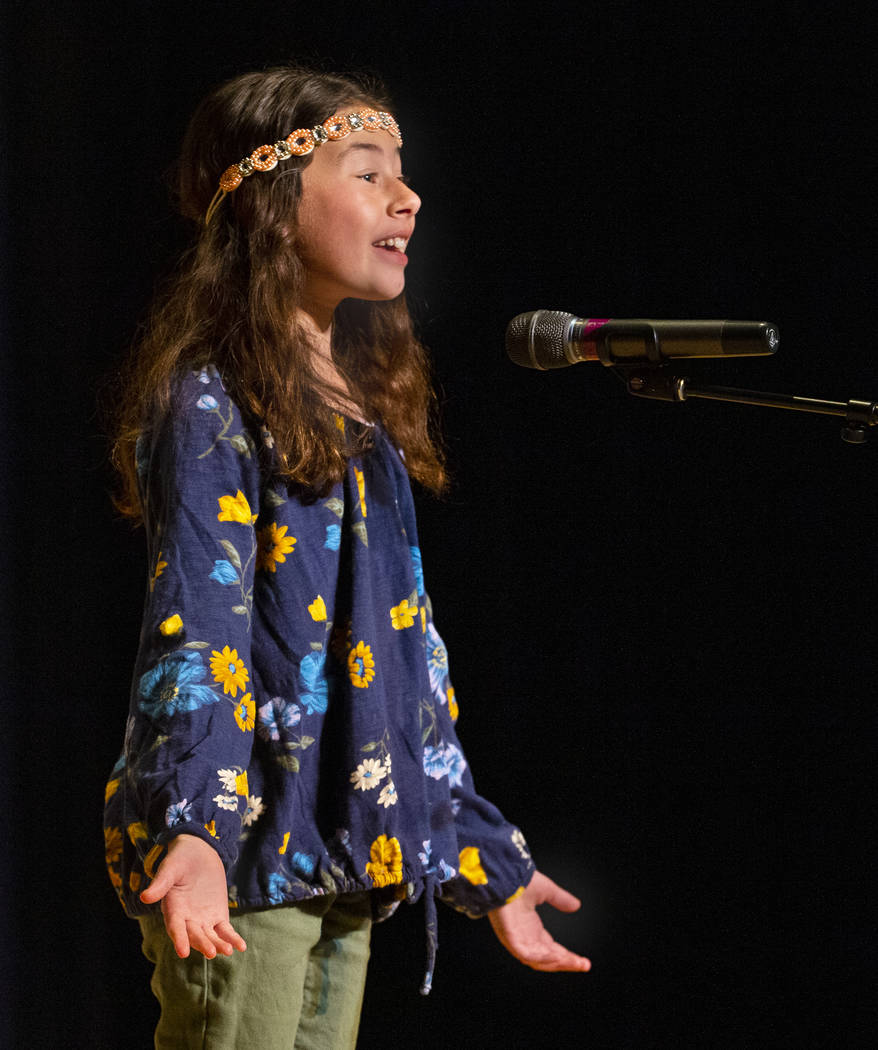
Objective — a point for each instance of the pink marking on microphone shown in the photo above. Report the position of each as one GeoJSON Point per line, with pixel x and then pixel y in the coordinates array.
{"type": "Point", "coordinates": [588, 350]}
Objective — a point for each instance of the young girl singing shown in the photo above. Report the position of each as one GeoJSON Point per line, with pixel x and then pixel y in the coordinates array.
{"type": "Point", "coordinates": [291, 769]}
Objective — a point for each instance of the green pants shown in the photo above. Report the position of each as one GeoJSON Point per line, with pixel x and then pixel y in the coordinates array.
{"type": "Point", "coordinates": [298, 985]}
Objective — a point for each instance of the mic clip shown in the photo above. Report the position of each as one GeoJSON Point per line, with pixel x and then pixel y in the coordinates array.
{"type": "Point", "coordinates": [653, 383]}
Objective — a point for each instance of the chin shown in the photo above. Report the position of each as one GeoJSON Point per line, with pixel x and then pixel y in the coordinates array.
{"type": "Point", "coordinates": [382, 295]}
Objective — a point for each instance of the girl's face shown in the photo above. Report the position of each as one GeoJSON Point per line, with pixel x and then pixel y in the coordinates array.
{"type": "Point", "coordinates": [356, 216]}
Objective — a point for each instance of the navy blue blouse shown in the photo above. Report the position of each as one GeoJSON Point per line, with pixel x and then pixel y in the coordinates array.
{"type": "Point", "coordinates": [291, 702]}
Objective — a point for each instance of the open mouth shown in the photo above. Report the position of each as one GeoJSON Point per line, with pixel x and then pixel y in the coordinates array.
{"type": "Point", "coordinates": [392, 244]}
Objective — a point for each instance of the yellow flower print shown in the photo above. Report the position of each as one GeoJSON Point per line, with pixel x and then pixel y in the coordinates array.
{"type": "Point", "coordinates": [245, 713]}
{"type": "Point", "coordinates": [136, 831]}
{"type": "Point", "coordinates": [111, 789]}
{"type": "Point", "coordinates": [471, 866]}
{"type": "Point", "coordinates": [151, 859]}
{"type": "Point", "coordinates": [423, 620]}
{"type": "Point", "coordinates": [116, 879]}
{"type": "Point", "coordinates": [173, 625]}
{"type": "Point", "coordinates": [283, 847]}
{"type": "Point", "coordinates": [134, 881]}
{"type": "Point", "coordinates": [229, 669]}
{"type": "Point", "coordinates": [403, 615]}
{"type": "Point", "coordinates": [515, 895]}
{"type": "Point", "coordinates": [160, 567]}
{"type": "Point", "coordinates": [339, 421]}
{"type": "Point", "coordinates": [211, 829]}
{"type": "Point", "coordinates": [235, 508]}
{"type": "Point", "coordinates": [453, 709]}
{"type": "Point", "coordinates": [273, 546]}
{"type": "Point", "coordinates": [113, 844]}
{"type": "Point", "coordinates": [361, 666]}
{"type": "Point", "coordinates": [385, 862]}
{"type": "Point", "coordinates": [317, 608]}
{"type": "Point", "coordinates": [241, 785]}
{"type": "Point", "coordinates": [361, 488]}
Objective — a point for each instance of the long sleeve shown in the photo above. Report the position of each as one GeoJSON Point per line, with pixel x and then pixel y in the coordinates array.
{"type": "Point", "coordinates": [493, 863]}
{"type": "Point", "coordinates": [191, 721]}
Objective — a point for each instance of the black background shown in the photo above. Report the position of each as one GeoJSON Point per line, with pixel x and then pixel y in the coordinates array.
{"type": "Point", "coordinates": [660, 617]}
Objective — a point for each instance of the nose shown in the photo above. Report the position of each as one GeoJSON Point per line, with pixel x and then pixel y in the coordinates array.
{"type": "Point", "coordinates": [405, 202]}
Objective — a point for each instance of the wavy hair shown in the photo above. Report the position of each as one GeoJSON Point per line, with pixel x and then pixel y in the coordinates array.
{"type": "Point", "coordinates": [233, 297]}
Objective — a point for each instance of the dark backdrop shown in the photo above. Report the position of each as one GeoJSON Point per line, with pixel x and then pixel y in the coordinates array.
{"type": "Point", "coordinates": [661, 617]}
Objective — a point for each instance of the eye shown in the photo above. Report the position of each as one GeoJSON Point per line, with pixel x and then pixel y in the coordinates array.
{"type": "Point", "coordinates": [370, 176]}
{"type": "Point", "coordinates": [405, 180]}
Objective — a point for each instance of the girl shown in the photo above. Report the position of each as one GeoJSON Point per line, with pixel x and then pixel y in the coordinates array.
{"type": "Point", "coordinates": [290, 752]}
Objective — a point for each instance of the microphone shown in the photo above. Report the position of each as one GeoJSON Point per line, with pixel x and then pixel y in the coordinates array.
{"type": "Point", "coordinates": [554, 339]}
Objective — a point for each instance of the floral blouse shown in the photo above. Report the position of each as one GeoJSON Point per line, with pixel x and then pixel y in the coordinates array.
{"type": "Point", "coordinates": [291, 703]}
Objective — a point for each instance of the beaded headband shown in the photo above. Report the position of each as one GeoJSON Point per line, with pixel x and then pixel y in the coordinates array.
{"type": "Point", "coordinates": [300, 143]}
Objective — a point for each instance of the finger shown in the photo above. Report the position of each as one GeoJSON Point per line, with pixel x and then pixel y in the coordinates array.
{"type": "Point", "coordinates": [552, 956]}
{"type": "Point", "coordinates": [179, 935]}
{"type": "Point", "coordinates": [559, 898]}
{"type": "Point", "coordinates": [201, 939]}
{"type": "Point", "coordinates": [567, 962]}
{"type": "Point", "coordinates": [228, 932]}
{"type": "Point", "coordinates": [223, 946]}
{"type": "Point", "coordinates": [158, 887]}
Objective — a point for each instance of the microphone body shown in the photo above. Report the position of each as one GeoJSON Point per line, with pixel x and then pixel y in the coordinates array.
{"type": "Point", "coordinates": [553, 339]}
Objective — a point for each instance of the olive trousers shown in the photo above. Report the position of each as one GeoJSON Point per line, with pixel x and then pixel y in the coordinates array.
{"type": "Point", "coordinates": [298, 986]}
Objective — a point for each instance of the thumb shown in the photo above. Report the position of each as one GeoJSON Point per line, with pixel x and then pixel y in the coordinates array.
{"type": "Point", "coordinates": [559, 898]}
{"type": "Point", "coordinates": [160, 885]}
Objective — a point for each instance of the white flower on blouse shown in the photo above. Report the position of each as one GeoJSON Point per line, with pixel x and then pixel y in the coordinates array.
{"type": "Point", "coordinates": [520, 844]}
{"type": "Point", "coordinates": [368, 774]}
{"type": "Point", "coordinates": [227, 778]}
{"type": "Point", "coordinates": [226, 801]}
{"type": "Point", "coordinates": [255, 809]}
{"type": "Point", "coordinates": [388, 795]}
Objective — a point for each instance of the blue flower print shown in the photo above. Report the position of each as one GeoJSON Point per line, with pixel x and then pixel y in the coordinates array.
{"type": "Point", "coordinates": [455, 763]}
{"type": "Point", "coordinates": [446, 871]}
{"type": "Point", "coordinates": [417, 566]}
{"type": "Point", "coordinates": [178, 813]}
{"type": "Point", "coordinates": [277, 716]}
{"type": "Point", "coordinates": [171, 686]}
{"type": "Point", "coordinates": [207, 403]}
{"type": "Point", "coordinates": [224, 572]}
{"type": "Point", "coordinates": [437, 659]}
{"type": "Point", "coordinates": [316, 696]}
{"type": "Point", "coordinates": [278, 884]}
{"type": "Point", "coordinates": [302, 864]}
{"type": "Point", "coordinates": [434, 763]}
{"type": "Point", "coordinates": [207, 373]}
{"type": "Point", "coordinates": [333, 537]}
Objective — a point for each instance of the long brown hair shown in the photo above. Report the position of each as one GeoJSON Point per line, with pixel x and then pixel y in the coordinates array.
{"type": "Point", "coordinates": [234, 294]}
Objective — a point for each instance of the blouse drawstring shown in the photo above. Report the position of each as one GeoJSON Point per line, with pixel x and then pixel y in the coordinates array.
{"type": "Point", "coordinates": [431, 888]}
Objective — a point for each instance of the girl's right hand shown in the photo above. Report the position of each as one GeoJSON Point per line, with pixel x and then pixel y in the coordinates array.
{"type": "Point", "coordinates": [191, 884]}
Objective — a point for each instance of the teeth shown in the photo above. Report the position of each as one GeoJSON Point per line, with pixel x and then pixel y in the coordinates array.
{"type": "Point", "coordinates": [398, 243]}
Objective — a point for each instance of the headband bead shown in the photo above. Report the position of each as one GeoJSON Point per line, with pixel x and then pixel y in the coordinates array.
{"type": "Point", "coordinates": [264, 158]}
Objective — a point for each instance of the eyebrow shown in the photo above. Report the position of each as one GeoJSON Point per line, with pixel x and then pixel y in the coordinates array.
{"type": "Point", "coordinates": [362, 145]}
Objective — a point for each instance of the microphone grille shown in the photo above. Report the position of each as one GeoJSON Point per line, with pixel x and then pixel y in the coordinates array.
{"type": "Point", "coordinates": [538, 339]}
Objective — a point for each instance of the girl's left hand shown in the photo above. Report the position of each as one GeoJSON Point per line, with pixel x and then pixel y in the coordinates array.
{"type": "Point", "coordinates": [521, 931]}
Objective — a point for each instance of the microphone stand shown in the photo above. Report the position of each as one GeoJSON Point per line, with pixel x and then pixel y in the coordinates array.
{"type": "Point", "coordinates": [658, 385]}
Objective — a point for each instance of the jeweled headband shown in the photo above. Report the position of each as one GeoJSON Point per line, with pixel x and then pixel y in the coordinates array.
{"type": "Point", "coordinates": [300, 143]}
